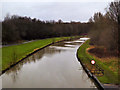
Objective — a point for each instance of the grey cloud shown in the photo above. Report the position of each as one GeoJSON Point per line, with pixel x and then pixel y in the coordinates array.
{"type": "Point", "coordinates": [67, 11]}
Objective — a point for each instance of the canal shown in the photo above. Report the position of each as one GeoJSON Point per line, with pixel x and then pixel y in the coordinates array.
{"type": "Point", "coordinates": [55, 66]}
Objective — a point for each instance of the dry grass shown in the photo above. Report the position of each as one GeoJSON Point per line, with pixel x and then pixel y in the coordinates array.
{"type": "Point", "coordinates": [112, 61]}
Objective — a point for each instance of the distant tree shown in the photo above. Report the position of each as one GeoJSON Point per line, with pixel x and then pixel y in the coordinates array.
{"type": "Point", "coordinates": [7, 17]}
{"type": "Point", "coordinates": [60, 21]}
{"type": "Point", "coordinates": [104, 31]}
{"type": "Point", "coordinates": [17, 28]}
{"type": "Point", "coordinates": [90, 20]}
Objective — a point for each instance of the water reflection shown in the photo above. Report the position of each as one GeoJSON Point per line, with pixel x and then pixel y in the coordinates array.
{"type": "Point", "coordinates": [53, 67]}
{"type": "Point", "coordinates": [33, 58]}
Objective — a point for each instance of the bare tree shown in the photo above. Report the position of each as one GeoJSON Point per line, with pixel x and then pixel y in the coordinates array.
{"type": "Point", "coordinates": [114, 11]}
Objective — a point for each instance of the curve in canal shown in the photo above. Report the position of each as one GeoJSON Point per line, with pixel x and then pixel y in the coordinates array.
{"type": "Point", "coordinates": [55, 66]}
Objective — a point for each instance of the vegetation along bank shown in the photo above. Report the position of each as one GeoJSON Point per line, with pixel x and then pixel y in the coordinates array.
{"type": "Point", "coordinates": [107, 63]}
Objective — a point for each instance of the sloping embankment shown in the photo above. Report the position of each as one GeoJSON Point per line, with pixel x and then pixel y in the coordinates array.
{"type": "Point", "coordinates": [85, 58]}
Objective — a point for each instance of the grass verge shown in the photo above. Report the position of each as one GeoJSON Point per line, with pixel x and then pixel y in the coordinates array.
{"type": "Point", "coordinates": [109, 76]}
{"type": "Point", "coordinates": [13, 54]}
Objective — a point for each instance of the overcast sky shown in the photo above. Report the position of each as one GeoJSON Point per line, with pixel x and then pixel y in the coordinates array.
{"type": "Point", "coordinates": [66, 10]}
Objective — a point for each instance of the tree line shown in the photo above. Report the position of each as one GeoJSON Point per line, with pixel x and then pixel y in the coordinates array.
{"type": "Point", "coordinates": [105, 29]}
{"type": "Point", "coordinates": [16, 28]}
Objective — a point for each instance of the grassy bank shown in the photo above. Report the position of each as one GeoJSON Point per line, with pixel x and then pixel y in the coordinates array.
{"type": "Point", "coordinates": [109, 65]}
{"type": "Point", "coordinates": [12, 54]}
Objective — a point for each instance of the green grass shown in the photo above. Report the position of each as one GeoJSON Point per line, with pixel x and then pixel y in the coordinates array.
{"type": "Point", "coordinates": [12, 54]}
{"type": "Point", "coordinates": [109, 76]}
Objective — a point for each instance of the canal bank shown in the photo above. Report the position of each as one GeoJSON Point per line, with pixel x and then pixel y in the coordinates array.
{"type": "Point", "coordinates": [11, 55]}
{"type": "Point", "coordinates": [85, 61]}
{"type": "Point", "coordinates": [93, 77]}
{"type": "Point", "coordinates": [55, 66]}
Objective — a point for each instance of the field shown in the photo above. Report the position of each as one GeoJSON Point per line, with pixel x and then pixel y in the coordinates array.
{"type": "Point", "coordinates": [109, 64]}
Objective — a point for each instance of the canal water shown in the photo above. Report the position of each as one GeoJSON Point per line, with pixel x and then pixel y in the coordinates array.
{"type": "Point", "coordinates": [55, 66]}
